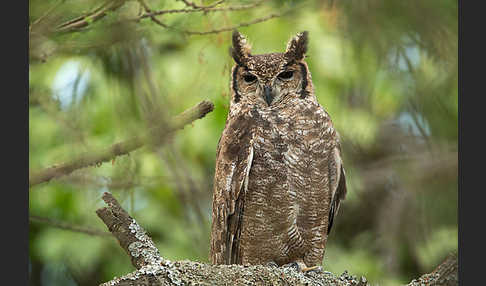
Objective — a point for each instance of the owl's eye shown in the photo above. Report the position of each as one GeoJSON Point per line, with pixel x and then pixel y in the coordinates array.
{"type": "Point", "coordinates": [286, 75]}
{"type": "Point", "coordinates": [249, 78]}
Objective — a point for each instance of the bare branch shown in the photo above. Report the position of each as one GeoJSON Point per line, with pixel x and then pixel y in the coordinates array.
{"type": "Point", "coordinates": [415, 110]}
{"type": "Point", "coordinates": [95, 15]}
{"type": "Point", "coordinates": [446, 274]}
{"type": "Point", "coordinates": [129, 233]}
{"type": "Point", "coordinates": [194, 5]}
{"type": "Point", "coordinates": [153, 18]}
{"type": "Point", "coordinates": [85, 20]}
{"type": "Point", "coordinates": [69, 226]}
{"type": "Point", "coordinates": [224, 29]}
{"type": "Point", "coordinates": [158, 22]}
{"type": "Point", "coordinates": [230, 28]}
{"type": "Point", "coordinates": [47, 13]}
{"type": "Point", "coordinates": [214, 9]}
{"type": "Point", "coordinates": [97, 157]}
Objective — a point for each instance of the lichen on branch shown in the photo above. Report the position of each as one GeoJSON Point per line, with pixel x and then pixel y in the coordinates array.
{"type": "Point", "coordinates": [152, 269]}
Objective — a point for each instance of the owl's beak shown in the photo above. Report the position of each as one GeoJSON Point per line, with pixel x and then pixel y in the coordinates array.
{"type": "Point", "coordinates": [268, 94]}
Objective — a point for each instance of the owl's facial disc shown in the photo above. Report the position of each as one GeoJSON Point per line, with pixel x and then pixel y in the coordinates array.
{"type": "Point", "coordinates": [268, 80]}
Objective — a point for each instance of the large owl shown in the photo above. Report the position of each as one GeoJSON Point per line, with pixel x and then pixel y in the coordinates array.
{"type": "Point", "coordinates": [279, 177]}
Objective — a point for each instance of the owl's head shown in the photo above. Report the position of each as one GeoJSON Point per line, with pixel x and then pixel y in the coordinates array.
{"type": "Point", "coordinates": [269, 79]}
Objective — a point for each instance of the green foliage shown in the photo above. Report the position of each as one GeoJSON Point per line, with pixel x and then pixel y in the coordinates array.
{"type": "Point", "coordinates": [440, 244]}
{"type": "Point", "coordinates": [374, 64]}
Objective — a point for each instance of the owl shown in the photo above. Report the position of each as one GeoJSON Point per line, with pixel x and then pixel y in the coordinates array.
{"type": "Point", "coordinates": [279, 177]}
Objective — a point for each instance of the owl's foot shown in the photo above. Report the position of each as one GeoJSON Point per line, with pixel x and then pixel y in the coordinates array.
{"type": "Point", "coordinates": [314, 269]}
{"type": "Point", "coordinates": [297, 265]}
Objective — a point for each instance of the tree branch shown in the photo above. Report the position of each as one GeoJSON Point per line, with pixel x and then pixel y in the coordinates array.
{"type": "Point", "coordinates": [230, 28]}
{"type": "Point", "coordinates": [155, 270]}
{"type": "Point", "coordinates": [194, 5]}
{"type": "Point", "coordinates": [446, 274]}
{"type": "Point", "coordinates": [153, 18]}
{"type": "Point", "coordinates": [70, 227]}
{"type": "Point", "coordinates": [95, 15]}
{"type": "Point", "coordinates": [96, 157]}
{"type": "Point", "coordinates": [211, 8]}
{"type": "Point", "coordinates": [112, 5]}
{"type": "Point", "coordinates": [219, 30]}
{"type": "Point", "coordinates": [201, 9]}
{"type": "Point", "coordinates": [130, 235]}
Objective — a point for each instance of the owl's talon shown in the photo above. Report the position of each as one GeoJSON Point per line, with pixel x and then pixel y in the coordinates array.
{"type": "Point", "coordinates": [271, 264]}
{"type": "Point", "coordinates": [297, 265]}
{"type": "Point", "coordinates": [294, 265]}
{"type": "Point", "coordinates": [315, 269]}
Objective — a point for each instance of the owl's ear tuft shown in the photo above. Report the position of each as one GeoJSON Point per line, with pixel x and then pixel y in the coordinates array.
{"type": "Point", "coordinates": [297, 46]}
{"type": "Point", "coordinates": [241, 49]}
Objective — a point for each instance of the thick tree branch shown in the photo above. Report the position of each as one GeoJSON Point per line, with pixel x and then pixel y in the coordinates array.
{"type": "Point", "coordinates": [446, 274]}
{"type": "Point", "coordinates": [155, 270]}
{"type": "Point", "coordinates": [96, 157]}
{"type": "Point", "coordinates": [130, 235]}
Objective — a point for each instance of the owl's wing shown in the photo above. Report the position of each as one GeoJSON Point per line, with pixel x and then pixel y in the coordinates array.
{"type": "Point", "coordinates": [233, 163]}
{"type": "Point", "coordinates": [337, 182]}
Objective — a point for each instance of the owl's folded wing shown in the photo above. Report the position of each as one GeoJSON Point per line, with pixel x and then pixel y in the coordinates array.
{"type": "Point", "coordinates": [338, 183]}
{"type": "Point", "coordinates": [233, 163]}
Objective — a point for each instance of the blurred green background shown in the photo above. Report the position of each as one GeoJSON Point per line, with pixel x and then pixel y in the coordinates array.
{"type": "Point", "coordinates": [385, 70]}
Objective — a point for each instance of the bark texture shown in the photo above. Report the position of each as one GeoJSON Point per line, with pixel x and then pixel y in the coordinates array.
{"type": "Point", "coordinates": [446, 274]}
{"type": "Point", "coordinates": [153, 270]}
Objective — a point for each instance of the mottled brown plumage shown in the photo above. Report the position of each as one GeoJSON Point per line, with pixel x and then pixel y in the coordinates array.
{"type": "Point", "coordinates": [279, 177]}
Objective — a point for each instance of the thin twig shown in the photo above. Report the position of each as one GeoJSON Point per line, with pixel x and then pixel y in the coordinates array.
{"type": "Point", "coordinates": [158, 22]}
{"type": "Point", "coordinates": [95, 15]}
{"type": "Point", "coordinates": [415, 110]}
{"type": "Point", "coordinates": [224, 29]}
{"type": "Point", "coordinates": [421, 129]}
{"type": "Point", "coordinates": [194, 5]}
{"type": "Point", "coordinates": [97, 157]}
{"type": "Point", "coordinates": [230, 28]}
{"type": "Point", "coordinates": [82, 21]}
{"type": "Point", "coordinates": [215, 9]}
{"type": "Point", "coordinates": [49, 11]}
{"type": "Point", "coordinates": [80, 18]}
{"type": "Point", "coordinates": [69, 226]}
{"type": "Point", "coordinates": [153, 18]}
